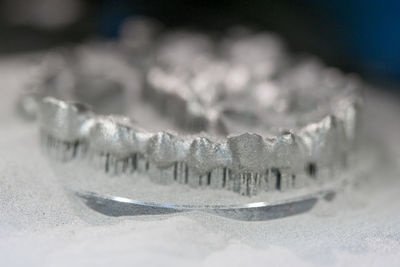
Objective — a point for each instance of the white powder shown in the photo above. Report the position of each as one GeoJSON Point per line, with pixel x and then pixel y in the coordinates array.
{"type": "Point", "coordinates": [39, 226]}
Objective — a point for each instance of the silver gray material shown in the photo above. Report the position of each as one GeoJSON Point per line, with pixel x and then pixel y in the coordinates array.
{"type": "Point", "coordinates": [246, 116]}
{"type": "Point", "coordinates": [244, 163]}
{"type": "Point", "coordinates": [258, 211]}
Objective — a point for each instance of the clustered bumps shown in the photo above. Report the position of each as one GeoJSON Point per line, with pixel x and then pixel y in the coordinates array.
{"type": "Point", "coordinates": [245, 163]}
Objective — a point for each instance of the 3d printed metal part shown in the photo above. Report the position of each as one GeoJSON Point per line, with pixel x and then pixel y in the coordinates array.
{"type": "Point", "coordinates": [238, 115]}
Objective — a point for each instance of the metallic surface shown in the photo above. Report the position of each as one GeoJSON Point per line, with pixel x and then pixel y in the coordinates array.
{"type": "Point", "coordinates": [239, 115]}
{"type": "Point", "coordinates": [260, 211]}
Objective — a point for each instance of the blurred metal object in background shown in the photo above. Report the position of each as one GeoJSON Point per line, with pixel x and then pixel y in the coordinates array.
{"type": "Point", "coordinates": [45, 14]}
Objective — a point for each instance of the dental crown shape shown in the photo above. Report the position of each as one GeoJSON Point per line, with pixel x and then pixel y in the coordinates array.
{"type": "Point", "coordinates": [242, 114]}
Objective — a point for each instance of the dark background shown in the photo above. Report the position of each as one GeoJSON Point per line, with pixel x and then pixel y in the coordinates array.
{"type": "Point", "coordinates": [360, 36]}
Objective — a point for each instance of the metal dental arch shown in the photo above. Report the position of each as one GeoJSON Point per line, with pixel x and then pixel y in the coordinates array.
{"type": "Point", "coordinates": [237, 116]}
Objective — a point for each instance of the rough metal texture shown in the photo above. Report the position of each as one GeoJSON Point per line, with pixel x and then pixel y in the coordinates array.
{"type": "Point", "coordinates": [249, 118]}
{"type": "Point", "coordinates": [243, 163]}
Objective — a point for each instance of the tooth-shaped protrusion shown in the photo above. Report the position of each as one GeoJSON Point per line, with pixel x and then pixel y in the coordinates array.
{"type": "Point", "coordinates": [335, 143]}
{"type": "Point", "coordinates": [118, 146]}
{"type": "Point", "coordinates": [206, 161]}
{"type": "Point", "coordinates": [111, 135]}
{"type": "Point", "coordinates": [248, 153]}
{"type": "Point", "coordinates": [321, 140]}
{"type": "Point", "coordinates": [139, 141]}
{"type": "Point", "coordinates": [348, 114]}
{"type": "Point", "coordinates": [164, 149]}
{"type": "Point", "coordinates": [64, 127]}
{"type": "Point", "coordinates": [64, 120]}
{"type": "Point", "coordinates": [138, 147]}
{"type": "Point", "coordinates": [287, 152]}
{"type": "Point", "coordinates": [204, 155]}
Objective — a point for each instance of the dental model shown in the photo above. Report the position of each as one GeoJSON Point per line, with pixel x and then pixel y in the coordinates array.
{"type": "Point", "coordinates": [241, 115]}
